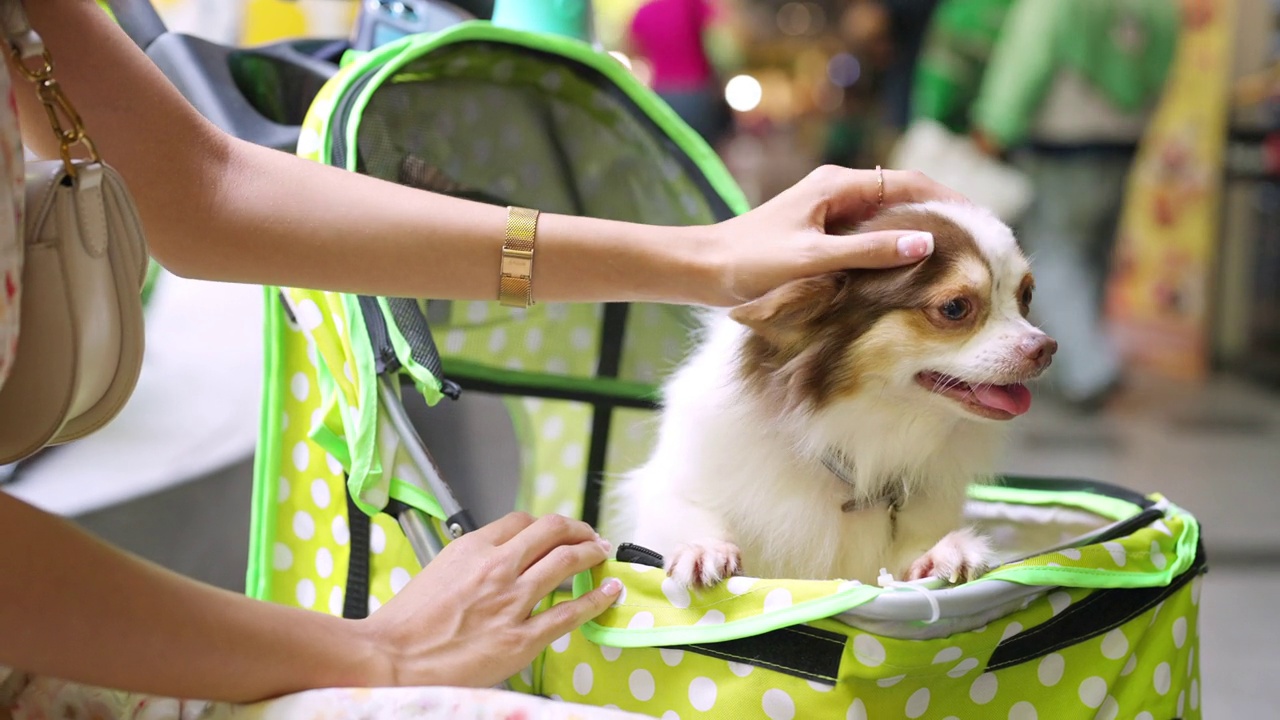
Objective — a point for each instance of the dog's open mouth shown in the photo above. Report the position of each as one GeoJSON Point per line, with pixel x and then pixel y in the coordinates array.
{"type": "Point", "coordinates": [998, 402]}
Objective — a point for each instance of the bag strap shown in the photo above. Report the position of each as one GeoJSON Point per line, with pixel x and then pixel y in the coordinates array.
{"type": "Point", "coordinates": [26, 45]}
{"type": "Point", "coordinates": [18, 30]}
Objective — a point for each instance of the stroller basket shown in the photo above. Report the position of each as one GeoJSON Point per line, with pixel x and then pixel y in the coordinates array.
{"type": "Point", "coordinates": [1092, 614]}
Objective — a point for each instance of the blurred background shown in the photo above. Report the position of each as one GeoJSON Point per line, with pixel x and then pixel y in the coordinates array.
{"type": "Point", "coordinates": [1136, 150]}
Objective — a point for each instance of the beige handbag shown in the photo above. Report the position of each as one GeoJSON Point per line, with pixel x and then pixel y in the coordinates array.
{"type": "Point", "coordinates": [955, 161]}
{"type": "Point", "coordinates": [80, 336]}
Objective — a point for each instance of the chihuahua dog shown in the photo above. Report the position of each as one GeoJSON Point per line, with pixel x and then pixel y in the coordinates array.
{"type": "Point", "coordinates": [830, 428]}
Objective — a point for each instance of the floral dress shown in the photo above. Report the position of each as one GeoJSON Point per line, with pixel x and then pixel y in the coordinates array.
{"type": "Point", "coordinates": [12, 201]}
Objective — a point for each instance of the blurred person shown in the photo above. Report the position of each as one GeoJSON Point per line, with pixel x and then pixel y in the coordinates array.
{"type": "Point", "coordinates": [954, 53]}
{"type": "Point", "coordinates": [1066, 95]}
{"type": "Point", "coordinates": [670, 35]}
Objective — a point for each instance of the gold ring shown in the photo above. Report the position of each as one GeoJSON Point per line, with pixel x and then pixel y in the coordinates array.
{"type": "Point", "coordinates": [879, 186]}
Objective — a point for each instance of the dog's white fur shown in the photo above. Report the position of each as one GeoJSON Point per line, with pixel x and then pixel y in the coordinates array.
{"type": "Point", "coordinates": [729, 473]}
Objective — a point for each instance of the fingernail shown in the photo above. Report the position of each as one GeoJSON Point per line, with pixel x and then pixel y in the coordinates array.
{"type": "Point", "coordinates": [608, 546]}
{"type": "Point", "coordinates": [915, 245]}
{"type": "Point", "coordinates": [612, 586]}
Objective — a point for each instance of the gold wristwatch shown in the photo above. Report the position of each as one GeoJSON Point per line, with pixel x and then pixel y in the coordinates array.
{"type": "Point", "coordinates": [515, 284]}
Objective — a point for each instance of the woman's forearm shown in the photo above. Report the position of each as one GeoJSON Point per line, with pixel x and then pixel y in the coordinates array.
{"type": "Point", "coordinates": [315, 227]}
{"type": "Point", "coordinates": [218, 208]}
{"type": "Point", "coordinates": [76, 608]}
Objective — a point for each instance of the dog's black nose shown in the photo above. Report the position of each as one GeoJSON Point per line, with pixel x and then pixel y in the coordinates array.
{"type": "Point", "coordinates": [1039, 349]}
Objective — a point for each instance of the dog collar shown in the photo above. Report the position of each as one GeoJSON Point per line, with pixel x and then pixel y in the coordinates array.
{"type": "Point", "coordinates": [891, 496]}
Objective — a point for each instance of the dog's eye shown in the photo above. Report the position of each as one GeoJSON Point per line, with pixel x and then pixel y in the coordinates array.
{"type": "Point", "coordinates": [1026, 296]}
{"type": "Point", "coordinates": [955, 310]}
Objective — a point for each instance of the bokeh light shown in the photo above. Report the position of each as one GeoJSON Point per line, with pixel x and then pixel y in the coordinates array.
{"type": "Point", "coordinates": [743, 93]}
{"type": "Point", "coordinates": [844, 70]}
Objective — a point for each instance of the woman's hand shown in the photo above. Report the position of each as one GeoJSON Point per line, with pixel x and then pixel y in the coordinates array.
{"type": "Point", "coordinates": [465, 619]}
{"type": "Point", "coordinates": [790, 236]}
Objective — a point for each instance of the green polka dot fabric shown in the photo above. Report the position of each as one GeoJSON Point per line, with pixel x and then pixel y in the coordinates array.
{"type": "Point", "coordinates": [1148, 665]}
{"type": "Point", "coordinates": [1115, 634]}
{"type": "Point", "coordinates": [325, 440]}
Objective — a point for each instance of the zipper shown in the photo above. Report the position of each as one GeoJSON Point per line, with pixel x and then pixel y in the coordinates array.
{"type": "Point", "coordinates": [629, 552]}
{"type": "Point", "coordinates": [342, 115]}
{"type": "Point", "coordinates": [384, 353]}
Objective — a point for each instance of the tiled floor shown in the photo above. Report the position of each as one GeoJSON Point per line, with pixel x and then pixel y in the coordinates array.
{"type": "Point", "coordinates": [1216, 452]}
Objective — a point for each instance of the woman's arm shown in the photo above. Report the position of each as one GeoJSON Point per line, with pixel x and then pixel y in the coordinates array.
{"type": "Point", "coordinates": [218, 208]}
{"type": "Point", "coordinates": [75, 608]}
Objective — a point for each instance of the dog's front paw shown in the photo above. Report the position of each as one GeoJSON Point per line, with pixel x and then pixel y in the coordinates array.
{"type": "Point", "coordinates": [960, 556]}
{"type": "Point", "coordinates": [704, 563]}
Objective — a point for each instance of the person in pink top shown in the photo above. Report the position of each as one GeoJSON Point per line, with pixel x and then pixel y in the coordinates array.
{"type": "Point", "coordinates": [669, 35]}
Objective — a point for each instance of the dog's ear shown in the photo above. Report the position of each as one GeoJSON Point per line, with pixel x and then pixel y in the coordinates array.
{"type": "Point", "coordinates": [783, 314]}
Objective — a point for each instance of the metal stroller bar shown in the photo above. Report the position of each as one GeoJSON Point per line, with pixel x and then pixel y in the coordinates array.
{"type": "Point", "coordinates": [457, 520]}
{"type": "Point", "coordinates": [416, 524]}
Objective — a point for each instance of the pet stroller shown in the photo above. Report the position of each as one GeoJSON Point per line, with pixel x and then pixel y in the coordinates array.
{"type": "Point", "coordinates": [1093, 612]}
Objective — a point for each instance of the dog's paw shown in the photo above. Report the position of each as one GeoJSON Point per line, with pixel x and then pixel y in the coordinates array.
{"type": "Point", "coordinates": [704, 563]}
{"type": "Point", "coordinates": [958, 557]}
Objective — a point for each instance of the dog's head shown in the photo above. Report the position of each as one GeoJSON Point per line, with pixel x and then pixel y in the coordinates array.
{"type": "Point", "coordinates": [951, 330]}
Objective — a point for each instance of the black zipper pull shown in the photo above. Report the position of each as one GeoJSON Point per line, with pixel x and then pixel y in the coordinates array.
{"type": "Point", "coordinates": [631, 553]}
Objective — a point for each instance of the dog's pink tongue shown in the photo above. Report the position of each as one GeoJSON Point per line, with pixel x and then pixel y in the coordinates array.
{"type": "Point", "coordinates": [1013, 399]}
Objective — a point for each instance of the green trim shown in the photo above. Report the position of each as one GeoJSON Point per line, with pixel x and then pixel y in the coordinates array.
{"type": "Point", "coordinates": [322, 435]}
{"type": "Point", "coordinates": [266, 462]}
{"type": "Point", "coordinates": [1108, 507]}
{"type": "Point", "coordinates": [396, 55]}
{"type": "Point", "coordinates": [350, 56]}
{"type": "Point", "coordinates": [362, 431]}
{"type": "Point", "coordinates": [149, 281]}
{"type": "Point", "coordinates": [800, 613]}
{"type": "Point", "coordinates": [1079, 577]}
{"type": "Point", "coordinates": [458, 369]}
{"type": "Point", "coordinates": [426, 381]}
{"type": "Point", "coordinates": [416, 497]}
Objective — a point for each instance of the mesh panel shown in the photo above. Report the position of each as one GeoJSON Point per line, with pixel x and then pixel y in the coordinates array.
{"type": "Point", "coordinates": [413, 326]}
{"type": "Point", "coordinates": [508, 125]}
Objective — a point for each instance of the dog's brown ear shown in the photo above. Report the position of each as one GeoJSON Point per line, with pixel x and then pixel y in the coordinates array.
{"type": "Point", "coordinates": [783, 314]}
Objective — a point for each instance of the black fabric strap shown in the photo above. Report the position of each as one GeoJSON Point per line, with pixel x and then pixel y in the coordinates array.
{"type": "Point", "coordinates": [801, 651]}
{"type": "Point", "coordinates": [355, 604]}
{"type": "Point", "coordinates": [612, 336]}
{"type": "Point", "coordinates": [534, 390]}
{"type": "Point", "coordinates": [1099, 612]}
